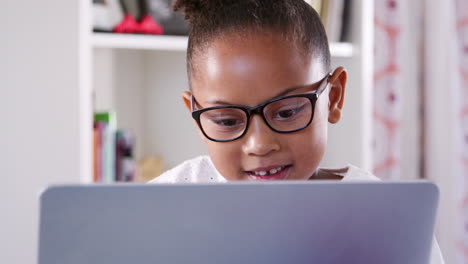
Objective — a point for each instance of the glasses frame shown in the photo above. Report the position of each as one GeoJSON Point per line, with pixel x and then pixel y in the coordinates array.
{"type": "Point", "coordinates": [250, 111]}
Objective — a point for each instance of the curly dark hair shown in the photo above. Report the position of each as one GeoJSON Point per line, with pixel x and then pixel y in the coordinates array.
{"type": "Point", "coordinates": [295, 20]}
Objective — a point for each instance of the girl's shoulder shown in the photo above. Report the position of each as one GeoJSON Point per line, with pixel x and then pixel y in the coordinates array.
{"type": "Point", "coordinates": [348, 173]}
{"type": "Point", "coordinates": [196, 170]}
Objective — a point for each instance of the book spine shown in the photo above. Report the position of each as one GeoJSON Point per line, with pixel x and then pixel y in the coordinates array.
{"type": "Point", "coordinates": [109, 121]}
{"type": "Point", "coordinates": [118, 156]}
{"type": "Point", "coordinates": [345, 34]}
{"type": "Point", "coordinates": [125, 163]}
{"type": "Point", "coordinates": [109, 155]}
{"type": "Point", "coordinates": [99, 153]}
{"type": "Point", "coordinates": [316, 4]}
{"type": "Point", "coordinates": [95, 153]}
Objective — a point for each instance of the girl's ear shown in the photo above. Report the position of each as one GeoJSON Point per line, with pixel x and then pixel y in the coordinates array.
{"type": "Point", "coordinates": [336, 94]}
{"type": "Point", "coordinates": [187, 98]}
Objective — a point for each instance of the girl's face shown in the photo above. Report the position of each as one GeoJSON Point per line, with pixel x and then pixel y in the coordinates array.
{"type": "Point", "coordinates": [249, 71]}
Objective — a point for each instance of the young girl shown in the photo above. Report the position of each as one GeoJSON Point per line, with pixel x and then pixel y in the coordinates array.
{"type": "Point", "coordinates": [261, 93]}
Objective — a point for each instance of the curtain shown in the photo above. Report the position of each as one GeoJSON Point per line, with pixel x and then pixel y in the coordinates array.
{"type": "Point", "coordinates": [387, 89]}
{"type": "Point", "coordinates": [397, 103]}
{"type": "Point", "coordinates": [421, 106]}
{"type": "Point", "coordinates": [462, 55]}
{"type": "Point", "coordinates": [446, 141]}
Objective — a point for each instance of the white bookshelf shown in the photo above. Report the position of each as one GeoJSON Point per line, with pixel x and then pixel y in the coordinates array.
{"type": "Point", "coordinates": [139, 42]}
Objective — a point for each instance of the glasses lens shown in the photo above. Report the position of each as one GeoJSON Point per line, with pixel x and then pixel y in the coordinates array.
{"type": "Point", "coordinates": [224, 123]}
{"type": "Point", "coordinates": [289, 114]}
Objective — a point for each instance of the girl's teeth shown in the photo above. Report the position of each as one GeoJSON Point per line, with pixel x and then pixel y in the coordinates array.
{"type": "Point", "coordinates": [272, 171]}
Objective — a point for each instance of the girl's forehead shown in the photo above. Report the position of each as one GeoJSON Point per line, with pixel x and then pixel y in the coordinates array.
{"type": "Point", "coordinates": [249, 70]}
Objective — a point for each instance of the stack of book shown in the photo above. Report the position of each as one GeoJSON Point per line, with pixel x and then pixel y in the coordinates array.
{"type": "Point", "coordinates": [112, 151]}
{"type": "Point", "coordinates": [335, 16]}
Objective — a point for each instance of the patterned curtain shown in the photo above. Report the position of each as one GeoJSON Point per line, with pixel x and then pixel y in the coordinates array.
{"type": "Point", "coordinates": [441, 86]}
{"type": "Point", "coordinates": [462, 55]}
{"type": "Point", "coordinates": [387, 89]}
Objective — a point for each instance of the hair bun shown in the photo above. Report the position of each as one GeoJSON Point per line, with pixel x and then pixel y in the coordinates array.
{"type": "Point", "coordinates": [192, 9]}
{"type": "Point", "coordinates": [200, 10]}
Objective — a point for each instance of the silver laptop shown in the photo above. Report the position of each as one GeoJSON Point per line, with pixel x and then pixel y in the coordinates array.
{"type": "Point", "coordinates": [262, 223]}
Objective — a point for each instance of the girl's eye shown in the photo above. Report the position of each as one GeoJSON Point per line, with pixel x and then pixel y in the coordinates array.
{"type": "Point", "coordinates": [223, 119]}
{"type": "Point", "coordinates": [228, 122]}
{"type": "Point", "coordinates": [288, 113]}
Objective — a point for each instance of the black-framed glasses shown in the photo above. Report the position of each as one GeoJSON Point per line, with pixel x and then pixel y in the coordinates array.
{"type": "Point", "coordinates": [284, 114]}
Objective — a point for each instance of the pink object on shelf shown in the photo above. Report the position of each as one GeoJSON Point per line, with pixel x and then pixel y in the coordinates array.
{"type": "Point", "coordinates": [127, 25]}
{"type": "Point", "coordinates": [149, 26]}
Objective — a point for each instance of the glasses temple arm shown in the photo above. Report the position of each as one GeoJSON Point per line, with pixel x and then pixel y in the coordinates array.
{"type": "Point", "coordinates": [324, 83]}
{"type": "Point", "coordinates": [192, 102]}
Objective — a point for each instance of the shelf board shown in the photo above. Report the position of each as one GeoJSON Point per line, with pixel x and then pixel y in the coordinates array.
{"type": "Point", "coordinates": [139, 42]}
{"type": "Point", "coordinates": [176, 43]}
{"type": "Point", "coordinates": [341, 49]}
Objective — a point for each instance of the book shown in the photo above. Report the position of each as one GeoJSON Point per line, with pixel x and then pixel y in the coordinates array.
{"type": "Point", "coordinates": [334, 21]}
{"type": "Point", "coordinates": [316, 4]}
{"type": "Point", "coordinates": [324, 13]}
{"type": "Point", "coordinates": [108, 124]}
{"type": "Point", "coordinates": [98, 153]}
{"type": "Point", "coordinates": [113, 149]}
{"type": "Point", "coordinates": [335, 16]}
{"type": "Point", "coordinates": [345, 35]}
{"type": "Point", "coordinates": [125, 163]}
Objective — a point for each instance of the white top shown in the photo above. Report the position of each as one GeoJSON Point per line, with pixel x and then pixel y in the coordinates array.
{"type": "Point", "coordinates": [202, 170]}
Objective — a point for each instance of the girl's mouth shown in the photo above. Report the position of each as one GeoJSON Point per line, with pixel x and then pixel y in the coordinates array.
{"type": "Point", "coordinates": [271, 173]}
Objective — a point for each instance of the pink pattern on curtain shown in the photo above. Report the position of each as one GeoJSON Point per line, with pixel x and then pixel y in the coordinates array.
{"type": "Point", "coordinates": [462, 32]}
{"type": "Point", "coordinates": [387, 101]}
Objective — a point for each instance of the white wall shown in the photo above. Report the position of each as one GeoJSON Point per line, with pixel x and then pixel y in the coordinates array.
{"type": "Point", "coordinates": [170, 130]}
{"type": "Point", "coordinates": [41, 139]}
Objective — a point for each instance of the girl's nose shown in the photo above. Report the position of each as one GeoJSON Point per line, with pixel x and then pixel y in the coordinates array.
{"type": "Point", "coordinates": [260, 140]}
